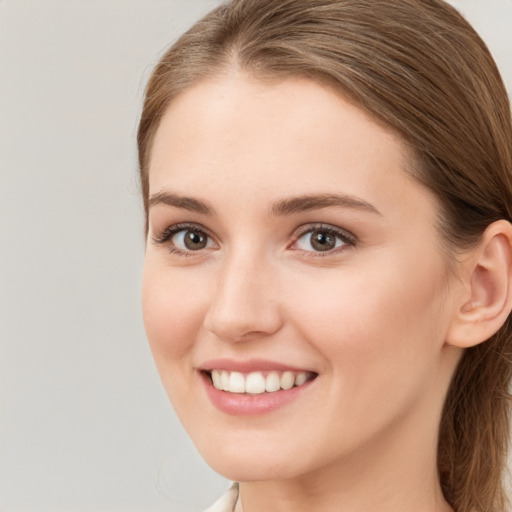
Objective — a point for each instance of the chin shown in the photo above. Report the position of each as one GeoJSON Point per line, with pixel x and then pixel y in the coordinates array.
{"type": "Point", "coordinates": [251, 468]}
{"type": "Point", "coordinates": [244, 461]}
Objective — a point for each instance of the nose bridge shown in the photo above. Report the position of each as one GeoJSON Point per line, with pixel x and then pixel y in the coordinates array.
{"type": "Point", "coordinates": [245, 300]}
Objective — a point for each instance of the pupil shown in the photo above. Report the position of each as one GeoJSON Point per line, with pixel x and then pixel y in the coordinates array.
{"type": "Point", "coordinates": [322, 241]}
{"type": "Point", "coordinates": [195, 240]}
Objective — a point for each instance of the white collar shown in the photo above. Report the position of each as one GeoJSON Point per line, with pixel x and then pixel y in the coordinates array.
{"type": "Point", "coordinates": [228, 502]}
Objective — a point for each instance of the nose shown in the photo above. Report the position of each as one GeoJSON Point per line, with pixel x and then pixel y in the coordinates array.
{"type": "Point", "coordinates": [245, 304]}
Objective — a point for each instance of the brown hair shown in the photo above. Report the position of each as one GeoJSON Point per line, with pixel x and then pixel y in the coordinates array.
{"type": "Point", "coordinates": [420, 68]}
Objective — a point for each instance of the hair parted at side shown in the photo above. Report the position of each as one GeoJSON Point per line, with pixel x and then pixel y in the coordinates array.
{"type": "Point", "coordinates": [420, 68]}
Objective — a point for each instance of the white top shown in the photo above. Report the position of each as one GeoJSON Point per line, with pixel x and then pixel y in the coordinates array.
{"type": "Point", "coordinates": [228, 502]}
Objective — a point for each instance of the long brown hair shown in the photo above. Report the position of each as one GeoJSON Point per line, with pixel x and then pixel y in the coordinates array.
{"type": "Point", "coordinates": [420, 68]}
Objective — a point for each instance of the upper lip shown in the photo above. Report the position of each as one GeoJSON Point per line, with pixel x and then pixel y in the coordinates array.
{"type": "Point", "coordinates": [249, 365]}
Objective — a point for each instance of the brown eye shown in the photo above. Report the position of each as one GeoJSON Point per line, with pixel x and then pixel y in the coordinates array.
{"type": "Point", "coordinates": [190, 240]}
{"type": "Point", "coordinates": [195, 240]}
{"type": "Point", "coordinates": [322, 240]}
{"type": "Point", "coordinates": [185, 239]}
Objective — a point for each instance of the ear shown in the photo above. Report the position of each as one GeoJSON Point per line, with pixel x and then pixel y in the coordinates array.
{"type": "Point", "coordinates": [486, 301]}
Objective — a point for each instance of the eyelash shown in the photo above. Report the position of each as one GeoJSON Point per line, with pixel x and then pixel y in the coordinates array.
{"type": "Point", "coordinates": [165, 237]}
{"type": "Point", "coordinates": [348, 239]}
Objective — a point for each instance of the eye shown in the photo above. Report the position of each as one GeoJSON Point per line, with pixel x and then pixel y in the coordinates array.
{"type": "Point", "coordinates": [322, 239]}
{"type": "Point", "coordinates": [191, 240]}
{"type": "Point", "coordinates": [183, 239]}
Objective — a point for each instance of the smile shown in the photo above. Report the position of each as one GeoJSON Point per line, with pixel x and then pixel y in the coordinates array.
{"type": "Point", "coordinates": [255, 386]}
{"type": "Point", "coordinates": [256, 383]}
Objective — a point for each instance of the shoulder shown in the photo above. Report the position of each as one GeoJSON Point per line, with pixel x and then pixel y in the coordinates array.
{"type": "Point", "coordinates": [227, 502]}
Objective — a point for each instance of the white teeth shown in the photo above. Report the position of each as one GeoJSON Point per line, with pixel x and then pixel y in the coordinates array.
{"type": "Point", "coordinates": [287, 380]}
{"type": "Point", "coordinates": [236, 383]}
{"type": "Point", "coordinates": [217, 379]}
{"type": "Point", "coordinates": [272, 382]}
{"type": "Point", "coordinates": [224, 381]}
{"type": "Point", "coordinates": [301, 378]}
{"type": "Point", "coordinates": [256, 383]}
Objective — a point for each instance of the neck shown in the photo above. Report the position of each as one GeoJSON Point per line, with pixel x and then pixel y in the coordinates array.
{"type": "Point", "coordinates": [334, 495]}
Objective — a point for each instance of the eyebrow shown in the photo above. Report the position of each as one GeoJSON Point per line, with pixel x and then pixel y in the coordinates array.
{"type": "Point", "coordinates": [313, 202]}
{"type": "Point", "coordinates": [183, 202]}
{"type": "Point", "coordinates": [280, 208]}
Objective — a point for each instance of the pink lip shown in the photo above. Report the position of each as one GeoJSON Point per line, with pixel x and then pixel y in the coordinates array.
{"type": "Point", "coordinates": [242, 404]}
{"type": "Point", "coordinates": [250, 365]}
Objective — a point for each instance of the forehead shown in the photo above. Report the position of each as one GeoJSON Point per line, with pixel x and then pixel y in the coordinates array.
{"type": "Point", "coordinates": [241, 105]}
{"type": "Point", "coordinates": [294, 136]}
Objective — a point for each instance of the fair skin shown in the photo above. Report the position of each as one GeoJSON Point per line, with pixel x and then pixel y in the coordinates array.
{"type": "Point", "coordinates": [366, 310]}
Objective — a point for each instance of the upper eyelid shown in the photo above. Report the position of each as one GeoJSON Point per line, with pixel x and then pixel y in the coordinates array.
{"type": "Point", "coordinates": [164, 235]}
{"type": "Point", "coordinates": [305, 228]}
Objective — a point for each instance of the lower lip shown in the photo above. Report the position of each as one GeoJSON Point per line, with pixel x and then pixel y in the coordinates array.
{"type": "Point", "coordinates": [244, 404]}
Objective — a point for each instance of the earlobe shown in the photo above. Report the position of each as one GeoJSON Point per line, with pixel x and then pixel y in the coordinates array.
{"type": "Point", "coordinates": [488, 301]}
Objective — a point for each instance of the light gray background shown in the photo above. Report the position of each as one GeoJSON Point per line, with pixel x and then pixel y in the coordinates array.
{"type": "Point", "coordinates": [85, 424]}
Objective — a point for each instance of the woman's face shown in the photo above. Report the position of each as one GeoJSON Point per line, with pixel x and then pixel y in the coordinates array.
{"type": "Point", "coordinates": [288, 246]}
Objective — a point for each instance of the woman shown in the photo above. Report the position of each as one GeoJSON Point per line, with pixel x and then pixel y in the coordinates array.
{"type": "Point", "coordinates": [327, 283]}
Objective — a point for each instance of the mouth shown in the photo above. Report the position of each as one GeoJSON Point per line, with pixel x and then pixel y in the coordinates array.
{"type": "Point", "coordinates": [257, 382]}
{"type": "Point", "coordinates": [255, 386]}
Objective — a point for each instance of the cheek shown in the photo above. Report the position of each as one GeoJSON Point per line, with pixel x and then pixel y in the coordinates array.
{"type": "Point", "coordinates": [174, 304]}
{"type": "Point", "coordinates": [173, 308]}
{"type": "Point", "coordinates": [380, 336]}
{"type": "Point", "coordinates": [374, 320]}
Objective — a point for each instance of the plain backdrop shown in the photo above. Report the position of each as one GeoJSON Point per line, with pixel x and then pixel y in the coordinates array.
{"type": "Point", "coordinates": [85, 424]}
